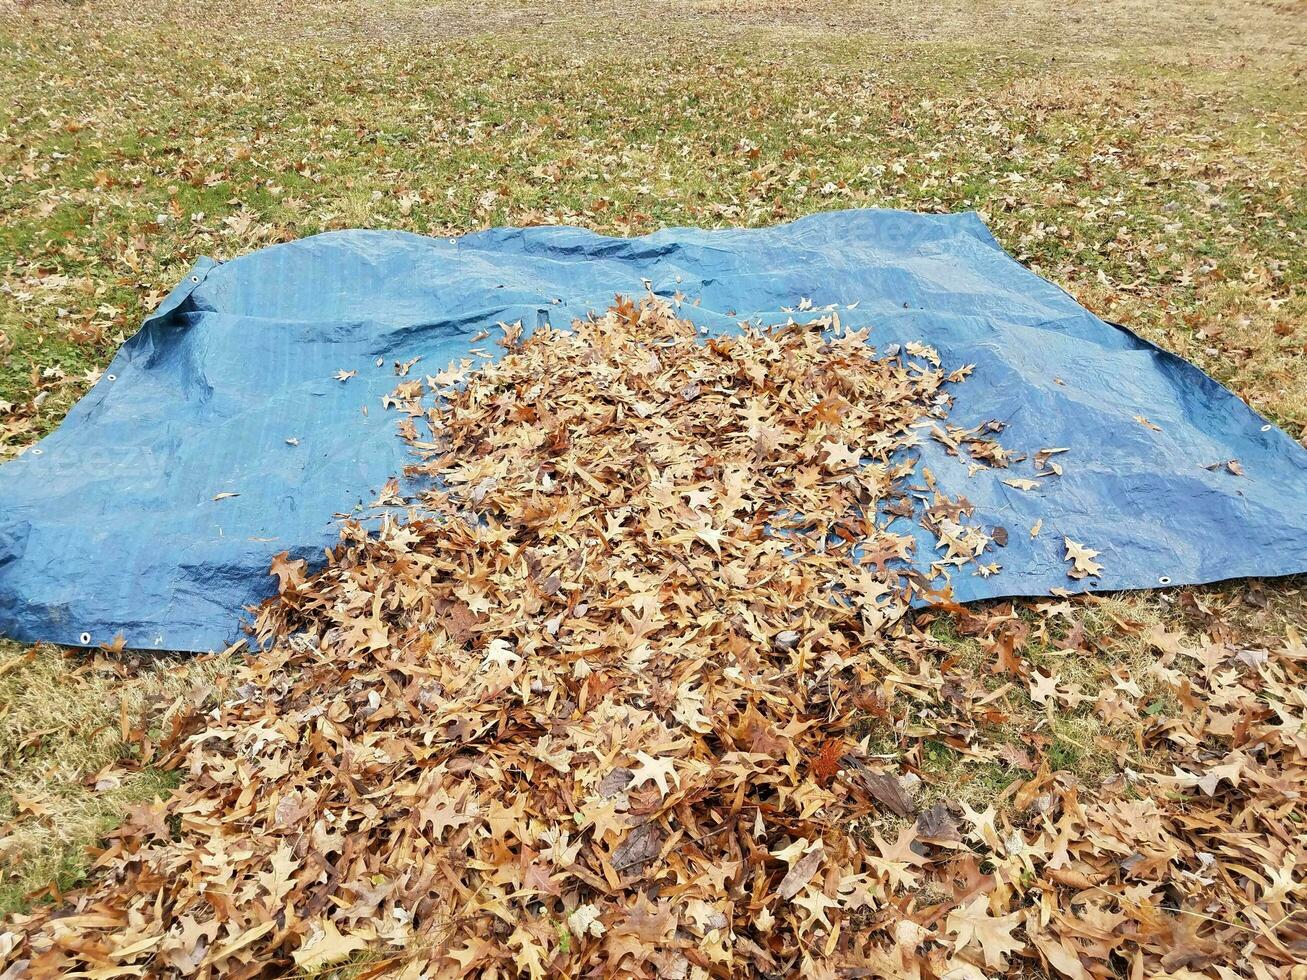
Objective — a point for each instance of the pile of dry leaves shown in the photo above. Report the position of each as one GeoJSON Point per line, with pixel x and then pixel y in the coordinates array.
{"type": "Point", "coordinates": [588, 712]}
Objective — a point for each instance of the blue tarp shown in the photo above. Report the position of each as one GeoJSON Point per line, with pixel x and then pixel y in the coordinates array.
{"type": "Point", "coordinates": [110, 525]}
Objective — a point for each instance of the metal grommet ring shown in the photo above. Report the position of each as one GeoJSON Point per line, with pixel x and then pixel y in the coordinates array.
{"type": "Point", "coordinates": [1164, 580]}
{"type": "Point", "coordinates": [37, 452]}
{"type": "Point", "coordinates": [112, 377]}
{"type": "Point", "coordinates": [195, 278]}
{"type": "Point", "coordinates": [85, 637]}
{"type": "Point", "coordinates": [1267, 427]}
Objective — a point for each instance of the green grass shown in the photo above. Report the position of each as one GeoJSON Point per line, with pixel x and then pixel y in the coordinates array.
{"type": "Point", "coordinates": [62, 865]}
{"type": "Point", "coordinates": [1160, 186]}
{"type": "Point", "coordinates": [67, 773]}
{"type": "Point", "coordinates": [1147, 156]}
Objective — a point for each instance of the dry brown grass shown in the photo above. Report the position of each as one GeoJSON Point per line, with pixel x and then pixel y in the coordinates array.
{"type": "Point", "coordinates": [64, 716]}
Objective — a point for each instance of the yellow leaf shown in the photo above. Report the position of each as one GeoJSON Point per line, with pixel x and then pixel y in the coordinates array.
{"type": "Point", "coordinates": [327, 946]}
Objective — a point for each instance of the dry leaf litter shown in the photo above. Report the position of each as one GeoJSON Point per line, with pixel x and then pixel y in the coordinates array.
{"type": "Point", "coordinates": [590, 711]}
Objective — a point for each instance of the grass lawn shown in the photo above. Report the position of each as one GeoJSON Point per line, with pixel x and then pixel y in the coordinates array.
{"type": "Point", "coordinates": [1149, 157]}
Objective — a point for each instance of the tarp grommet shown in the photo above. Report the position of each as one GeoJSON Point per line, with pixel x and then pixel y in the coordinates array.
{"type": "Point", "coordinates": [85, 638]}
{"type": "Point", "coordinates": [1164, 580]}
{"type": "Point", "coordinates": [195, 278]}
{"type": "Point", "coordinates": [111, 377]}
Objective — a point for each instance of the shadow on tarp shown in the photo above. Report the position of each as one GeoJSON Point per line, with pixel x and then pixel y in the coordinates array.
{"type": "Point", "coordinates": [218, 436]}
